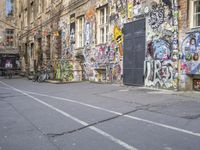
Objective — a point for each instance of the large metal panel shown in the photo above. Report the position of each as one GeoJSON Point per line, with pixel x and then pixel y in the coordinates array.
{"type": "Point", "coordinates": [134, 52]}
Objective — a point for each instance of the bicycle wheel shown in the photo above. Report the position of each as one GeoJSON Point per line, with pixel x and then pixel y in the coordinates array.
{"type": "Point", "coordinates": [42, 78]}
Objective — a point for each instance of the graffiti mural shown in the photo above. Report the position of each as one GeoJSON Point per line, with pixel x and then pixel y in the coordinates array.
{"type": "Point", "coordinates": [104, 60]}
{"type": "Point", "coordinates": [114, 72]}
{"type": "Point", "coordinates": [160, 74]}
{"type": "Point", "coordinates": [191, 54]}
{"type": "Point", "coordinates": [130, 9]}
{"type": "Point", "coordinates": [88, 64]}
{"type": "Point", "coordinates": [159, 42]}
{"type": "Point", "coordinates": [159, 49]}
{"type": "Point", "coordinates": [156, 16]}
{"type": "Point", "coordinates": [161, 53]}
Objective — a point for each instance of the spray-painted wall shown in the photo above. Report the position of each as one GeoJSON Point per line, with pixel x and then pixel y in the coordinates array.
{"type": "Point", "coordinates": [161, 64]}
{"type": "Point", "coordinates": [191, 54]}
{"type": "Point", "coordinates": [104, 62]}
{"type": "Point", "coordinates": [190, 61]}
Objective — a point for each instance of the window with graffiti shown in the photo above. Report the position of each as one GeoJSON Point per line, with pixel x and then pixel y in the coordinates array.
{"type": "Point", "coordinates": [103, 26]}
{"type": "Point", "coordinates": [80, 32]}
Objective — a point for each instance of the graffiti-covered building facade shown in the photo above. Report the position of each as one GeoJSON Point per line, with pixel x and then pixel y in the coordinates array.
{"type": "Point", "coordinates": [138, 42]}
{"type": "Point", "coordinates": [9, 54]}
{"type": "Point", "coordinates": [189, 37]}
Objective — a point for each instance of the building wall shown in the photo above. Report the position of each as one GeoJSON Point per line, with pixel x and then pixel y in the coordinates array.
{"type": "Point", "coordinates": [57, 42]}
{"type": "Point", "coordinates": [161, 65]}
{"type": "Point", "coordinates": [6, 22]}
{"type": "Point", "coordinates": [190, 48]}
{"type": "Point", "coordinates": [2, 17]}
{"type": "Point", "coordinates": [8, 50]}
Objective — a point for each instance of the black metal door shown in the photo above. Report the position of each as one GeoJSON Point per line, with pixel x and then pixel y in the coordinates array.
{"type": "Point", "coordinates": [134, 52]}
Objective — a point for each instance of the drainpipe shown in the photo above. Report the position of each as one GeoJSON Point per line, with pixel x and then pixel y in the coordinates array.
{"type": "Point", "coordinates": [176, 49]}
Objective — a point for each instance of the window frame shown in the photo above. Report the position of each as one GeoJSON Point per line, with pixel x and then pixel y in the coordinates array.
{"type": "Point", "coordinates": [102, 24]}
{"type": "Point", "coordinates": [11, 7]}
{"type": "Point", "coordinates": [193, 14]}
{"type": "Point", "coordinates": [80, 32]}
{"type": "Point", "coordinates": [25, 17]}
{"type": "Point", "coordinates": [9, 34]}
{"type": "Point", "coordinates": [40, 6]}
{"type": "Point", "coordinates": [32, 10]}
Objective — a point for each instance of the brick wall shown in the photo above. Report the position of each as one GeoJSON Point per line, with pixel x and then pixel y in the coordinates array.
{"type": "Point", "coordinates": [183, 18]}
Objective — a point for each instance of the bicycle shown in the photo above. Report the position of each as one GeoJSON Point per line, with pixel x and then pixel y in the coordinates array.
{"type": "Point", "coordinates": [44, 75]}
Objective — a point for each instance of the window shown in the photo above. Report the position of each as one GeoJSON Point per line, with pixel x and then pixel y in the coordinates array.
{"type": "Point", "coordinates": [9, 8]}
{"type": "Point", "coordinates": [195, 13]}
{"type": "Point", "coordinates": [9, 37]}
{"type": "Point", "coordinates": [32, 12]}
{"type": "Point", "coordinates": [25, 17]}
{"type": "Point", "coordinates": [196, 16]}
{"type": "Point", "coordinates": [48, 4]}
{"type": "Point", "coordinates": [103, 25]}
{"type": "Point", "coordinates": [80, 32]}
{"type": "Point", "coordinates": [48, 51]}
{"type": "Point", "coordinates": [40, 6]}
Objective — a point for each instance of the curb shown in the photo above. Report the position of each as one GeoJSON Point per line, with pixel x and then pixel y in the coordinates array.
{"type": "Point", "coordinates": [61, 82]}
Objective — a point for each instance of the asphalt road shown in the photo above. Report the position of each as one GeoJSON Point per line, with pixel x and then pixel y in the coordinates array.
{"type": "Point", "coordinates": [89, 116]}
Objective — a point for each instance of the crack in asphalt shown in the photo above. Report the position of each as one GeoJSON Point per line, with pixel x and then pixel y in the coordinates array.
{"type": "Point", "coordinates": [37, 128]}
{"type": "Point", "coordinates": [187, 116]}
{"type": "Point", "coordinates": [53, 135]}
{"type": "Point", "coordinates": [191, 116]}
{"type": "Point", "coordinates": [4, 97]}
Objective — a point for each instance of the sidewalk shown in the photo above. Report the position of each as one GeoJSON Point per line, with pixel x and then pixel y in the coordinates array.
{"type": "Point", "coordinates": [192, 94]}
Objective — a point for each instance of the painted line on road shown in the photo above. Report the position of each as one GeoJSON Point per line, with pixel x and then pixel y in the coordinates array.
{"type": "Point", "coordinates": [118, 113]}
{"type": "Point", "coordinates": [101, 132]}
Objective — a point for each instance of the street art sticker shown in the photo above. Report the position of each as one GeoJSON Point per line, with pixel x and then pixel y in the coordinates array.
{"type": "Point", "coordinates": [191, 54]}
{"type": "Point", "coordinates": [160, 74]}
{"type": "Point", "coordinates": [118, 37]}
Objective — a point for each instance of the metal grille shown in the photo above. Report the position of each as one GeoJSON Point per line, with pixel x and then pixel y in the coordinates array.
{"type": "Point", "coordinates": [134, 52]}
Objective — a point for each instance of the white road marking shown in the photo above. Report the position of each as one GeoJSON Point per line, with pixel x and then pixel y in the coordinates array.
{"type": "Point", "coordinates": [117, 113]}
{"type": "Point", "coordinates": [108, 136]}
